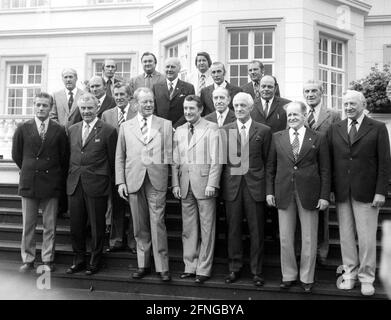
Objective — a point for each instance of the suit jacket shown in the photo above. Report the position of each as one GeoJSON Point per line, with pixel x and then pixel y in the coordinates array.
{"type": "Point", "coordinates": [247, 163]}
{"type": "Point", "coordinates": [140, 81]}
{"type": "Point", "coordinates": [196, 163]}
{"type": "Point", "coordinates": [326, 118]}
{"type": "Point", "coordinates": [171, 109]}
{"type": "Point", "coordinates": [276, 118]}
{"type": "Point", "coordinates": [111, 91]}
{"type": "Point", "coordinates": [228, 119]}
{"type": "Point", "coordinates": [310, 172]}
{"type": "Point", "coordinates": [43, 165]}
{"type": "Point", "coordinates": [363, 168]}
{"type": "Point", "coordinates": [135, 158]}
{"type": "Point", "coordinates": [249, 88]}
{"type": "Point", "coordinates": [207, 97]}
{"type": "Point", "coordinates": [193, 78]}
{"type": "Point", "coordinates": [107, 104]}
{"type": "Point", "coordinates": [93, 163]}
{"type": "Point", "coordinates": [60, 111]}
{"type": "Point", "coordinates": [111, 116]}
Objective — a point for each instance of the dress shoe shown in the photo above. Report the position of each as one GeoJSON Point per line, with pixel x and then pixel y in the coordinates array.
{"type": "Point", "coordinates": [76, 268]}
{"type": "Point", "coordinates": [91, 270]}
{"type": "Point", "coordinates": [50, 265]}
{"type": "Point", "coordinates": [287, 284]}
{"type": "Point", "coordinates": [26, 267]}
{"type": "Point", "coordinates": [307, 287]}
{"type": "Point", "coordinates": [165, 276]}
{"type": "Point", "coordinates": [187, 275]}
{"type": "Point", "coordinates": [321, 261]}
{"type": "Point", "coordinates": [347, 284]}
{"type": "Point", "coordinates": [201, 279]}
{"type": "Point", "coordinates": [115, 248]}
{"type": "Point", "coordinates": [133, 250]}
{"type": "Point", "coordinates": [258, 280]}
{"type": "Point", "coordinates": [367, 289]}
{"type": "Point", "coordinates": [232, 277]}
{"type": "Point", "coordinates": [141, 273]}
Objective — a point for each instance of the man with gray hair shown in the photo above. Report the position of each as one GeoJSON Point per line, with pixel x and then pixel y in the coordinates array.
{"type": "Point", "coordinates": [360, 159]}
{"type": "Point", "coordinates": [90, 178]}
{"type": "Point", "coordinates": [170, 94]}
{"type": "Point", "coordinates": [98, 87]}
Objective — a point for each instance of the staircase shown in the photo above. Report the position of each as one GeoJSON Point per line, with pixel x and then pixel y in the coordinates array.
{"type": "Point", "coordinates": [115, 274]}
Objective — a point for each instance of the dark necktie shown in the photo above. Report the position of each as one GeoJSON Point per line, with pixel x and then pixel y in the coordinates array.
{"type": "Point", "coordinates": [266, 110]}
{"type": "Point", "coordinates": [201, 83]}
{"type": "Point", "coordinates": [144, 130]}
{"type": "Point", "coordinates": [108, 91]}
{"type": "Point", "coordinates": [121, 117]}
{"type": "Point", "coordinates": [148, 81]}
{"type": "Point", "coordinates": [191, 132]}
{"type": "Point", "coordinates": [86, 133]}
{"type": "Point", "coordinates": [311, 118]}
{"type": "Point", "coordinates": [295, 145]}
{"type": "Point", "coordinates": [256, 89]}
{"type": "Point", "coordinates": [170, 90]}
{"type": "Point", "coordinates": [352, 131]}
{"type": "Point", "coordinates": [70, 100]}
{"type": "Point", "coordinates": [42, 131]}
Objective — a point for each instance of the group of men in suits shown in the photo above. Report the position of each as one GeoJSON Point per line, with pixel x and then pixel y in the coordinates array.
{"type": "Point", "coordinates": [251, 148]}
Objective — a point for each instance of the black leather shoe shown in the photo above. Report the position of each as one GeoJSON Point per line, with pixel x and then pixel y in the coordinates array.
{"type": "Point", "coordinates": [258, 280]}
{"type": "Point", "coordinates": [307, 287]}
{"type": "Point", "coordinates": [201, 279]}
{"type": "Point", "coordinates": [26, 267]}
{"type": "Point", "coordinates": [76, 268]}
{"type": "Point", "coordinates": [232, 277]}
{"type": "Point", "coordinates": [91, 270]}
{"type": "Point", "coordinates": [133, 250]}
{"type": "Point", "coordinates": [50, 266]}
{"type": "Point", "coordinates": [115, 248]}
{"type": "Point", "coordinates": [141, 273]}
{"type": "Point", "coordinates": [165, 276]}
{"type": "Point", "coordinates": [287, 284]}
{"type": "Point", "coordinates": [186, 275]}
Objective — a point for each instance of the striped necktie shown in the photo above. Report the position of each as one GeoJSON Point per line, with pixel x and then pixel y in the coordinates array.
{"type": "Point", "coordinates": [144, 130]}
{"type": "Point", "coordinates": [121, 118]}
{"type": "Point", "coordinates": [86, 133]}
{"type": "Point", "coordinates": [311, 118]}
{"type": "Point", "coordinates": [220, 119]}
{"type": "Point", "coordinates": [170, 90]}
{"type": "Point", "coordinates": [201, 83]}
{"type": "Point", "coordinates": [42, 131]}
{"type": "Point", "coordinates": [191, 132]}
{"type": "Point", "coordinates": [296, 145]}
{"type": "Point", "coordinates": [70, 100]}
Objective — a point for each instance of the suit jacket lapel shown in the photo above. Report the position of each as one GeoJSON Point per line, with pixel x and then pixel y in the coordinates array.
{"type": "Point", "coordinates": [253, 130]}
{"type": "Point", "coordinates": [364, 128]}
{"type": "Point", "coordinates": [155, 129]}
{"type": "Point", "coordinates": [135, 128]}
{"type": "Point", "coordinates": [229, 118]}
{"type": "Point", "coordinates": [177, 89]}
{"type": "Point", "coordinates": [74, 104]}
{"type": "Point", "coordinates": [273, 107]}
{"type": "Point", "coordinates": [198, 133]}
{"type": "Point", "coordinates": [35, 135]}
{"type": "Point", "coordinates": [50, 132]}
{"type": "Point", "coordinates": [286, 144]}
{"type": "Point", "coordinates": [94, 132]}
{"type": "Point", "coordinates": [343, 130]}
{"type": "Point", "coordinates": [323, 115]}
{"type": "Point", "coordinates": [306, 146]}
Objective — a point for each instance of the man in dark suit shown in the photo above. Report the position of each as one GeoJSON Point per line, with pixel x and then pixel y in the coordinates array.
{"type": "Point", "coordinates": [246, 143]}
{"type": "Point", "coordinates": [90, 178]}
{"type": "Point", "coordinates": [150, 76]}
{"type": "Point", "coordinates": [40, 149]}
{"type": "Point", "coordinates": [115, 117]}
{"type": "Point", "coordinates": [109, 68]}
{"type": "Point", "coordinates": [319, 119]}
{"type": "Point", "coordinates": [217, 70]}
{"type": "Point", "coordinates": [170, 94]}
{"type": "Point", "coordinates": [360, 153]}
{"type": "Point", "coordinates": [98, 88]}
{"type": "Point", "coordinates": [298, 182]}
{"type": "Point", "coordinates": [222, 114]}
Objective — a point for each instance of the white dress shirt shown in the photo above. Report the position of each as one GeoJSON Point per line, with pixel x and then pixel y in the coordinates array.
{"type": "Point", "coordinates": [264, 104]}
{"type": "Point", "coordinates": [359, 121]}
{"type": "Point", "coordinates": [174, 83]}
{"type": "Point", "coordinates": [149, 123]}
{"type": "Point", "coordinates": [223, 116]}
{"type": "Point", "coordinates": [247, 125]}
{"type": "Point", "coordinates": [223, 85]}
{"type": "Point", "coordinates": [91, 126]}
{"type": "Point", "coordinates": [38, 124]}
{"type": "Point", "coordinates": [74, 91]}
{"type": "Point", "coordinates": [301, 135]}
{"type": "Point", "coordinates": [125, 112]}
{"type": "Point", "coordinates": [316, 112]}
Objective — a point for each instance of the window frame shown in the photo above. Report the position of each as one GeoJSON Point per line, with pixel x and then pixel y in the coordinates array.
{"type": "Point", "coordinates": [28, 4]}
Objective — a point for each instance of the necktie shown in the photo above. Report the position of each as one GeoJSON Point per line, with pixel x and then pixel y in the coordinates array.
{"type": "Point", "coordinates": [144, 130]}
{"type": "Point", "coordinates": [201, 83]}
{"type": "Point", "coordinates": [42, 131]}
{"type": "Point", "coordinates": [266, 110]}
{"type": "Point", "coordinates": [86, 133]}
{"type": "Point", "coordinates": [256, 89]}
{"type": "Point", "coordinates": [121, 117]}
{"type": "Point", "coordinates": [191, 132]}
{"type": "Point", "coordinates": [296, 145]}
{"type": "Point", "coordinates": [148, 81]}
{"type": "Point", "coordinates": [243, 134]}
{"type": "Point", "coordinates": [352, 131]}
{"type": "Point", "coordinates": [170, 89]}
{"type": "Point", "coordinates": [108, 91]}
{"type": "Point", "coordinates": [220, 120]}
{"type": "Point", "coordinates": [70, 100]}
{"type": "Point", "coordinates": [311, 118]}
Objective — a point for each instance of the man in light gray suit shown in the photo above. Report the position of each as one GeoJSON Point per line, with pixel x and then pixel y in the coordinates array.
{"type": "Point", "coordinates": [125, 110]}
{"type": "Point", "coordinates": [65, 110]}
{"type": "Point", "coordinates": [195, 180]}
{"type": "Point", "coordinates": [144, 152]}
{"type": "Point", "coordinates": [150, 76]}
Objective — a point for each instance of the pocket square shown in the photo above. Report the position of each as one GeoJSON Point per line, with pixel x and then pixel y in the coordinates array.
{"type": "Point", "coordinates": [258, 138]}
{"type": "Point", "coordinates": [97, 140]}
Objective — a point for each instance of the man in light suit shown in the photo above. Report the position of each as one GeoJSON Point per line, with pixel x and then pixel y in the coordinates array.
{"type": "Point", "coordinates": [125, 110]}
{"type": "Point", "coordinates": [195, 181]}
{"type": "Point", "coordinates": [222, 114]}
{"type": "Point", "coordinates": [360, 153]}
{"type": "Point", "coordinates": [65, 110]}
{"type": "Point", "coordinates": [319, 119]}
{"type": "Point", "coordinates": [201, 78]}
{"type": "Point", "coordinates": [98, 87]}
{"type": "Point", "coordinates": [150, 76]}
{"type": "Point", "coordinates": [246, 143]}
{"type": "Point", "coordinates": [218, 72]}
{"type": "Point", "coordinates": [298, 182]}
{"type": "Point", "coordinates": [91, 171]}
{"type": "Point", "coordinates": [144, 153]}
{"type": "Point", "coordinates": [109, 67]}
{"type": "Point", "coordinates": [40, 149]}
{"type": "Point", "coordinates": [170, 94]}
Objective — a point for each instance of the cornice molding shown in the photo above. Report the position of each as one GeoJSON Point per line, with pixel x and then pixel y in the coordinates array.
{"type": "Point", "coordinates": [377, 19]}
{"type": "Point", "coordinates": [356, 4]}
{"type": "Point", "coordinates": [169, 8]}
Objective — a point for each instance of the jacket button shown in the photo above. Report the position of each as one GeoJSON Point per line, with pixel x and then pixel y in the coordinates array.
{"type": "Point", "coordinates": [351, 158]}
{"type": "Point", "coordinates": [47, 171]}
{"type": "Point", "coordinates": [295, 167]}
{"type": "Point", "coordinates": [37, 158]}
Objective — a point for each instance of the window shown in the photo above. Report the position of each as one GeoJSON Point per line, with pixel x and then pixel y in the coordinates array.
{"type": "Point", "coordinates": [179, 50]}
{"type": "Point", "coordinates": [246, 45]}
{"type": "Point", "coordinates": [24, 81]}
{"type": "Point", "coordinates": [332, 71]}
{"type": "Point", "coordinates": [123, 68]}
{"type": "Point", "coordinates": [98, 2]}
{"type": "Point", "coordinates": [14, 4]}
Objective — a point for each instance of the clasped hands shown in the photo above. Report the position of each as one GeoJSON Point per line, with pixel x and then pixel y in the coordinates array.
{"type": "Point", "coordinates": [209, 192]}
{"type": "Point", "coordinates": [322, 204]}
